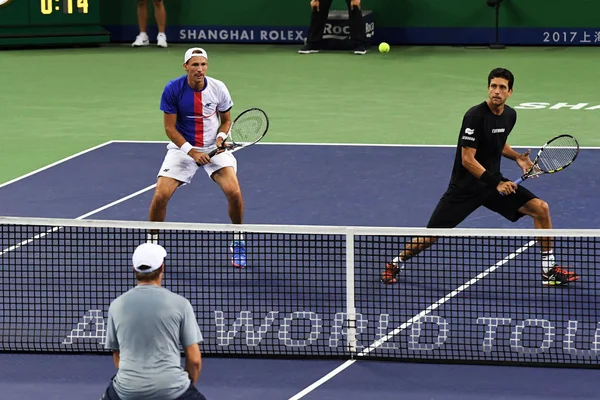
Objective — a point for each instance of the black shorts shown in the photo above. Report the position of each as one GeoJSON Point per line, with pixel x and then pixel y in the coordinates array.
{"type": "Point", "coordinates": [455, 206]}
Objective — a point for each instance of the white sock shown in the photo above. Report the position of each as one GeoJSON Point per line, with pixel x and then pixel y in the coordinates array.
{"type": "Point", "coordinates": [152, 238]}
{"type": "Point", "coordinates": [548, 261]}
{"type": "Point", "coordinates": [238, 236]}
{"type": "Point", "coordinates": [144, 34]}
{"type": "Point", "coordinates": [398, 262]}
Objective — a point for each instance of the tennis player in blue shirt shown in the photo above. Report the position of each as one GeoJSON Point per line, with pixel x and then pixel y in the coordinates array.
{"type": "Point", "coordinates": [197, 119]}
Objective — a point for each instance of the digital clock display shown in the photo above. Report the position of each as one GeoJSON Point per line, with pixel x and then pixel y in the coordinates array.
{"type": "Point", "coordinates": [47, 7]}
{"type": "Point", "coordinates": [46, 22]}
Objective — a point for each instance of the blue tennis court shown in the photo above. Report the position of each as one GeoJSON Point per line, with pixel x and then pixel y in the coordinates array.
{"type": "Point", "coordinates": [290, 184]}
{"type": "Point", "coordinates": [373, 186]}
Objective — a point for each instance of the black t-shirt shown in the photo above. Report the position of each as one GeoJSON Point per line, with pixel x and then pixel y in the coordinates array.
{"type": "Point", "coordinates": [482, 130]}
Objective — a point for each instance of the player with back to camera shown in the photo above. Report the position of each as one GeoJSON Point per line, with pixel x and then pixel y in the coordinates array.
{"type": "Point", "coordinates": [476, 181]}
{"type": "Point", "coordinates": [145, 329]}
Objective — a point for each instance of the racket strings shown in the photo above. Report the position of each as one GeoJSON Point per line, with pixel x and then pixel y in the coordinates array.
{"type": "Point", "coordinates": [558, 154]}
{"type": "Point", "coordinates": [250, 127]}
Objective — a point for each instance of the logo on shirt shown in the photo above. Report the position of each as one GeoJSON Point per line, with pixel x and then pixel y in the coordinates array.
{"type": "Point", "coordinates": [469, 131]}
{"type": "Point", "coordinates": [209, 105]}
{"type": "Point", "coordinates": [498, 130]}
{"type": "Point", "coordinates": [472, 139]}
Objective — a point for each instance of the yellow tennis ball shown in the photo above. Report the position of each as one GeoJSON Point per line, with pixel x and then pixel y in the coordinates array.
{"type": "Point", "coordinates": [384, 47]}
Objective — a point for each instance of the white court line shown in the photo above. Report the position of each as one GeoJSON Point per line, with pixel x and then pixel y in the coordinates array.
{"type": "Point", "coordinates": [54, 164]}
{"type": "Point", "coordinates": [344, 144]}
{"type": "Point", "coordinates": [411, 321]}
{"type": "Point", "coordinates": [261, 144]}
{"type": "Point", "coordinates": [96, 211]}
{"type": "Point", "coordinates": [321, 381]}
{"type": "Point", "coordinates": [303, 144]}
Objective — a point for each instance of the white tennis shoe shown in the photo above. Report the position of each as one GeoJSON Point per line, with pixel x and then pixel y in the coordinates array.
{"type": "Point", "coordinates": [161, 40]}
{"type": "Point", "coordinates": [141, 40]}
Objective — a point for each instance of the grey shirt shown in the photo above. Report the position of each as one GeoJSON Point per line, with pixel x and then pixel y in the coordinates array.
{"type": "Point", "coordinates": [146, 325]}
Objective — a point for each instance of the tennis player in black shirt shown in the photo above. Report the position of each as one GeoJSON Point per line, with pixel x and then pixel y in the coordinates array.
{"type": "Point", "coordinates": [476, 181]}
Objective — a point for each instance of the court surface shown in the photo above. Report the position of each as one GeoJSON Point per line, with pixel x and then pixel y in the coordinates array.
{"type": "Point", "coordinates": [85, 187]}
{"type": "Point", "coordinates": [90, 143]}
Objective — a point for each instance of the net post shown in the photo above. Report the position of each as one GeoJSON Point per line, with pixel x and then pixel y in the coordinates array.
{"type": "Point", "coordinates": [350, 297]}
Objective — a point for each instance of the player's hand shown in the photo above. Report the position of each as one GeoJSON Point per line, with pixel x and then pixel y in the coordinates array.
{"type": "Point", "coordinates": [507, 187]}
{"type": "Point", "coordinates": [314, 4]}
{"type": "Point", "coordinates": [199, 157]}
{"type": "Point", "coordinates": [221, 145]}
{"type": "Point", "coordinates": [524, 162]}
{"type": "Point", "coordinates": [220, 142]}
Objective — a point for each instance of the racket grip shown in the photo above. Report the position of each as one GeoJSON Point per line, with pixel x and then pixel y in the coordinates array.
{"type": "Point", "coordinates": [517, 182]}
{"type": "Point", "coordinates": [212, 153]}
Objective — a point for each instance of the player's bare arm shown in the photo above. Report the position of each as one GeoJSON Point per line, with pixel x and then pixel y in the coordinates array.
{"type": "Point", "coordinates": [193, 362]}
{"type": "Point", "coordinates": [177, 138]}
{"type": "Point", "coordinates": [117, 358]}
{"type": "Point", "coordinates": [225, 118]}
{"type": "Point", "coordinates": [475, 168]}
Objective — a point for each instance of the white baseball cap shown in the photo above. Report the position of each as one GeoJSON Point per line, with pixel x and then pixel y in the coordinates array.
{"type": "Point", "coordinates": [193, 52]}
{"type": "Point", "coordinates": [148, 257]}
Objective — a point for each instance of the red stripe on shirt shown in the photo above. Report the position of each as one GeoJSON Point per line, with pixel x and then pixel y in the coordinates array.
{"type": "Point", "coordinates": [199, 120]}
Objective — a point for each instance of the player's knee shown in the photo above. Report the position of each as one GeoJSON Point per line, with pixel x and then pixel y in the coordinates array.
{"type": "Point", "coordinates": [543, 208]}
{"type": "Point", "coordinates": [142, 2]}
{"type": "Point", "coordinates": [157, 2]}
{"type": "Point", "coordinates": [536, 208]}
{"type": "Point", "coordinates": [161, 199]}
{"type": "Point", "coordinates": [234, 195]}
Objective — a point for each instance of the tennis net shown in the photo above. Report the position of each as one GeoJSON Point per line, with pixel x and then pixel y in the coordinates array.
{"type": "Point", "coordinates": [476, 296]}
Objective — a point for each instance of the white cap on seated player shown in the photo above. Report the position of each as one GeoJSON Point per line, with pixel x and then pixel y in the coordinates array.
{"type": "Point", "coordinates": [148, 257]}
{"type": "Point", "coordinates": [193, 52]}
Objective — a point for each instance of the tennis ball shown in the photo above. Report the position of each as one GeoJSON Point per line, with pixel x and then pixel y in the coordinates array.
{"type": "Point", "coordinates": [384, 47]}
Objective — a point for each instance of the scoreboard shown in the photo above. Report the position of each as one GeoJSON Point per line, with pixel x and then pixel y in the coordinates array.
{"type": "Point", "coordinates": [25, 22]}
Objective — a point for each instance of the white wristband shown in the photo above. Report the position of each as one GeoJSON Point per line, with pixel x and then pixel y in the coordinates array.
{"type": "Point", "coordinates": [222, 135]}
{"type": "Point", "coordinates": [186, 147]}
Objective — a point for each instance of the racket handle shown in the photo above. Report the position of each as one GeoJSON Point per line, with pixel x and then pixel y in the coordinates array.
{"type": "Point", "coordinates": [517, 182]}
{"type": "Point", "coordinates": [212, 153]}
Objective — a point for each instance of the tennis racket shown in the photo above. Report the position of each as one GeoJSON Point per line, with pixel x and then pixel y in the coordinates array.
{"type": "Point", "coordinates": [248, 128]}
{"type": "Point", "coordinates": [556, 155]}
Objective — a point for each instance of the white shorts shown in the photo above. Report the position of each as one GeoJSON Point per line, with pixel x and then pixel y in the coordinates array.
{"type": "Point", "coordinates": [180, 166]}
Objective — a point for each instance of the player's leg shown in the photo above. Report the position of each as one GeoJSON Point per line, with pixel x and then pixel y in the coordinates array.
{"type": "Point", "coordinates": [450, 211]}
{"type": "Point", "coordinates": [522, 203]}
{"type": "Point", "coordinates": [223, 170]}
{"type": "Point", "coordinates": [227, 180]}
{"type": "Point", "coordinates": [177, 168]}
{"type": "Point", "coordinates": [142, 17]}
{"type": "Point", "coordinates": [358, 32]}
{"type": "Point", "coordinates": [160, 14]}
{"type": "Point", "coordinates": [318, 19]}
{"type": "Point", "coordinates": [552, 273]}
{"type": "Point", "coordinates": [165, 187]}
